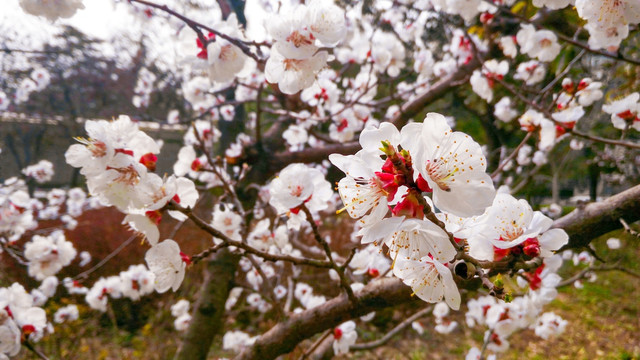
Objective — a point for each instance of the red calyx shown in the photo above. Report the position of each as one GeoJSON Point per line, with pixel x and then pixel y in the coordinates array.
{"type": "Point", "coordinates": [149, 160]}
{"type": "Point", "coordinates": [531, 247]}
{"type": "Point", "coordinates": [569, 88]}
{"type": "Point", "coordinates": [155, 216]}
{"type": "Point", "coordinates": [28, 329]}
{"type": "Point", "coordinates": [390, 183]}
{"type": "Point", "coordinates": [534, 278]}
{"type": "Point", "coordinates": [491, 78]}
{"type": "Point", "coordinates": [409, 207]}
{"type": "Point", "coordinates": [176, 198]}
{"type": "Point", "coordinates": [499, 254]}
{"type": "Point", "coordinates": [337, 333]}
{"type": "Point", "coordinates": [373, 272]}
{"type": "Point", "coordinates": [423, 185]}
{"type": "Point", "coordinates": [486, 17]}
{"type": "Point", "coordinates": [626, 115]}
{"type": "Point", "coordinates": [196, 165]}
{"type": "Point", "coordinates": [496, 339]}
{"type": "Point", "coordinates": [203, 54]}
{"type": "Point", "coordinates": [203, 48]}
{"type": "Point", "coordinates": [185, 258]}
{"type": "Point", "coordinates": [504, 315]}
{"type": "Point", "coordinates": [322, 95]}
{"type": "Point", "coordinates": [582, 85]}
{"type": "Point", "coordinates": [343, 125]}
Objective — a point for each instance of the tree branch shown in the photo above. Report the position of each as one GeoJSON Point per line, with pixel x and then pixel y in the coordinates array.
{"type": "Point", "coordinates": [595, 219]}
{"type": "Point", "coordinates": [285, 336]}
{"type": "Point", "coordinates": [207, 319]}
{"type": "Point", "coordinates": [398, 328]}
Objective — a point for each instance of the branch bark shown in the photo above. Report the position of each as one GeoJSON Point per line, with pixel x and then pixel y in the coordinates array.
{"type": "Point", "coordinates": [285, 336]}
{"type": "Point", "coordinates": [582, 225]}
{"type": "Point", "coordinates": [595, 219]}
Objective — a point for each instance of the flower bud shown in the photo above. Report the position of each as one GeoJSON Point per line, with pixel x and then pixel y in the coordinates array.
{"type": "Point", "coordinates": [498, 282]}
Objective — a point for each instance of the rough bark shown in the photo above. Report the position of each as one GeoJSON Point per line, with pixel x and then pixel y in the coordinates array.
{"type": "Point", "coordinates": [582, 225]}
{"type": "Point", "coordinates": [285, 336]}
{"type": "Point", "coordinates": [207, 318]}
{"type": "Point", "coordinates": [595, 219]}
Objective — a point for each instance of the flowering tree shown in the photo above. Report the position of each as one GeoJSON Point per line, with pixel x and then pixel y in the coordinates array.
{"type": "Point", "coordinates": [371, 95]}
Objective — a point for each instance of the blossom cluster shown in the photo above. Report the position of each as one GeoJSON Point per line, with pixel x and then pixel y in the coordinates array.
{"type": "Point", "coordinates": [503, 319]}
{"type": "Point", "coordinates": [295, 56]}
{"type": "Point", "coordinates": [133, 283]}
{"type": "Point", "coordinates": [421, 197]}
{"type": "Point", "coordinates": [19, 319]}
{"type": "Point", "coordinates": [451, 167]}
{"type": "Point", "coordinates": [118, 161]}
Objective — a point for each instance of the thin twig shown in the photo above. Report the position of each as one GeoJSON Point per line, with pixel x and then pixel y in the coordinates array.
{"type": "Point", "coordinates": [628, 229]}
{"type": "Point", "coordinates": [485, 344]}
{"type": "Point", "coordinates": [310, 350]}
{"type": "Point", "coordinates": [33, 349]}
{"type": "Point", "coordinates": [603, 267]}
{"type": "Point", "coordinates": [196, 26]}
{"type": "Point", "coordinates": [85, 274]}
{"type": "Point", "coordinates": [316, 233]}
{"type": "Point", "coordinates": [249, 249]}
{"type": "Point", "coordinates": [397, 329]}
{"type": "Point", "coordinates": [511, 156]}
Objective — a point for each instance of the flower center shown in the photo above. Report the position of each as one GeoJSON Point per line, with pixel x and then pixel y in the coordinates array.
{"type": "Point", "coordinates": [440, 173]}
{"type": "Point", "coordinates": [298, 39]}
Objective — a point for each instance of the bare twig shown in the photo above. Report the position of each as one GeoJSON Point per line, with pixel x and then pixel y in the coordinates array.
{"type": "Point", "coordinates": [85, 274]}
{"type": "Point", "coordinates": [310, 350]}
{"type": "Point", "coordinates": [344, 282]}
{"type": "Point", "coordinates": [249, 249]}
{"type": "Point", "coordinates": [511, 156]}
{"type": "Point", "coordinates": [33, 349]}
{"type": "Point", "coordinates": [196, 26]}
{"type": "Point", "coordinates": [628, 229]}
{"type": "Point", "coordinates": [603, 267]}
{"type": "Point", "coordinates": [397, 329]}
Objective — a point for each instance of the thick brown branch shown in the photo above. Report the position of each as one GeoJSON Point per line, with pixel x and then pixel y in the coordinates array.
{"type": "Point", "coordinates": [588, 222]}
{"type": "Point", "coordinates": [207, 318]}
{"type": "Point", "coordinates": [285, 336]}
